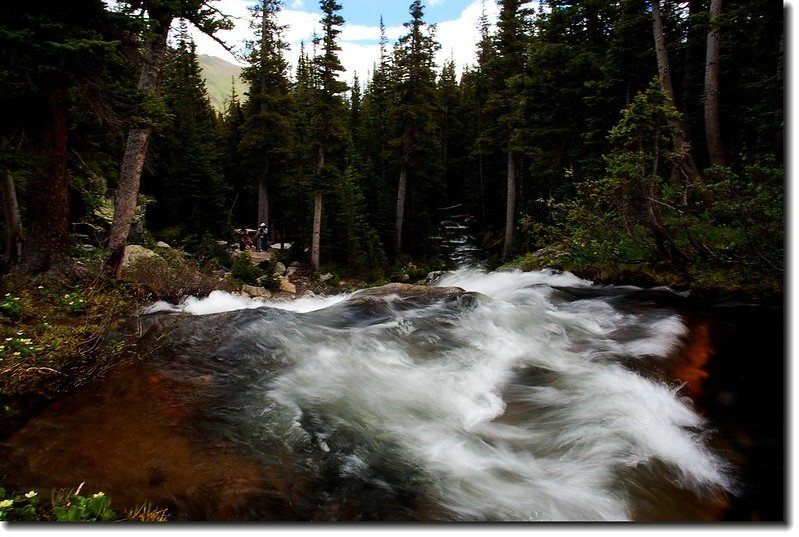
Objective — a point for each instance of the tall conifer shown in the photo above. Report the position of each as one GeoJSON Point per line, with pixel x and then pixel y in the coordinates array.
{"type": "Point", "coordinates": [416, 138]}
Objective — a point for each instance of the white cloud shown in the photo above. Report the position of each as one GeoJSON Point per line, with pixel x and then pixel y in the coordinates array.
{"type": "Point", "coordinates": [359, 43]}
{"type": "Point", "coordinates": [235, 38]}
{"type": "Point", "coordinates": [459, 37]}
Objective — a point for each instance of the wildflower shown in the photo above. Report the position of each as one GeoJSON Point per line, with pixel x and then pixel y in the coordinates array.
{"type": "Point", "coordinates": [98, 495]}
{"type": "Point", "coordinates": [6, 503]}
{"type": "Point", "coordinates": [30, 494]}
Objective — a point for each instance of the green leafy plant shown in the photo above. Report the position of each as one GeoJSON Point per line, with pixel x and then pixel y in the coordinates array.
{"type": "Point", "coordinates": [74, 303]}
{"type": "Point", "coordinates": [19, 346]}
{"type": "Point", "coordinates": [19, 507]}
{"type": "Point", "coordinates": [10, 307]}
{"type": "Point", "coordinates": [94, 508]}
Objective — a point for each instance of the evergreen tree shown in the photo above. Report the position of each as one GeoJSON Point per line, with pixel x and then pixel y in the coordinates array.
{"type": "Point", "coordinates": [241, 201]}
{"type": "Point", "coordinates": [160, 16]}
{"type": "Point", "coordinates": [475, 85]}
{"type": "Point", "coordinates": [57, 59]}
{"type": "Point", "coordinates": [267, 140]}
{"type": "Point", "coordinates": [328, 123]}
{"type": "Point", "coordinates": [187, 181]}
{"type": "Point", "coordinates": [416, 138]}
{"type": "Point", "coordinates": [452, 132]}
{"type": "Point", "coordinates": [373, 144]}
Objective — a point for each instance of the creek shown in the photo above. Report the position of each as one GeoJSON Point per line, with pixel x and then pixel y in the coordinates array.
{"type": "Point", "coordinates": [486, 396]}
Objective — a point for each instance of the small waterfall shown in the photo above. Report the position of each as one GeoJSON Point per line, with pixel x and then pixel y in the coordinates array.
{"type": "Point", "coordinates": [456, 240]}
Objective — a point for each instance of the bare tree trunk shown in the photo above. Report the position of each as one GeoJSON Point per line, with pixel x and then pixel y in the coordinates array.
{"type": "Point", "coordinates": [664, 71]}
{"type": "Point", "coordinates": [686, 167]}
{"type": "Point", "coordinates": [400, 216]}
{"type": "Point", "coordinates": [14, 235]}
{"type": "Point", "coordinates": [317, 230]}
{"type": "Point", "coordinates": [263, 191]}
{"type": "Point", "coordinates": [47, 246]}
{"type": "Point", "coordinates": [712, 122]}
{"type": "Point", "coordinates": [510, 210]}
{"type": "Point", "coordinates": [316, 233]}
{"type": "Point", "coordinates": [263, 201]}
{"type": "Point", "coordinates": [135, 152]}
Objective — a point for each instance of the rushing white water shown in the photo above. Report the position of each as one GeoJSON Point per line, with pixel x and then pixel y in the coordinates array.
{"type": "Point", "coordinates": [519, 408]}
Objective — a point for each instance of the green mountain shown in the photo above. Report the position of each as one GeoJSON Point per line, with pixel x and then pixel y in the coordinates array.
{"type": "Point", "coordinates": [220, 76]}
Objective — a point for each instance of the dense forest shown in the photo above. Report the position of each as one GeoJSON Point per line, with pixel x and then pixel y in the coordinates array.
{"type": "Point", "coordinates": [628, 134]}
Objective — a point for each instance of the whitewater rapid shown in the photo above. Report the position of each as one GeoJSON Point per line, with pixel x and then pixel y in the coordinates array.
{"type": "Point", "coordinates": [520, 407]}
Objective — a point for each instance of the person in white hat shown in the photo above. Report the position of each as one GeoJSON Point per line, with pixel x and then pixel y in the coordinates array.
{"type": "Point", "coordinates": [262, 238]}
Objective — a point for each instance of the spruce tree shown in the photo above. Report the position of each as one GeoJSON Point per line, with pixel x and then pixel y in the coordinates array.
{"type": "Point", "coordinates": [373, 144]}
{"type": "Point", "coordinates": [241, 202]}
{"type": "Point", "coordinates": [506, 67]}
{"type": "Point", "coordinates": [267, 138]}
{"type": "Point", "coordinates": [187, 181]}
{"type": "Point", "coordinates": [416, 139]}
{"type": "Point", "coordinates": [56, 59]}
{"type": "Point", "coordinates": [160, 15]}
{"type": "Point", "coordinates": [328, 122]}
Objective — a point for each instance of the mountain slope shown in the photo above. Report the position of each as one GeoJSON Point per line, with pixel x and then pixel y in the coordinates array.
{"type": "Point", "coordinates": [220, 76]}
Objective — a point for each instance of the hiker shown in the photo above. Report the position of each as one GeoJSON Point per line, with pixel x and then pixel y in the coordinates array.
{"type": "Point", "coordinates": [262, 238]}
{"type": "Point", "coordinates": [245, 242]}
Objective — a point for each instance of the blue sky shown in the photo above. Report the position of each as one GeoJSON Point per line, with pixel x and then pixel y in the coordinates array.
{"type": "Point", "coordinates": [367, 12]}
{"type": "Point", "coordinates": [456, 22]}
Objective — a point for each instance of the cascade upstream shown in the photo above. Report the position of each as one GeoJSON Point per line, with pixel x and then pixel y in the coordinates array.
{"type": "Point", "coordinates": [502, 396]}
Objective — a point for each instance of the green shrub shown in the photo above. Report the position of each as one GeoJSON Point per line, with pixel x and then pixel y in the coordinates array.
{"type": "Point", "coordinates": [243, 271]}
{"type": "Point", "coordinates": [172, 277]}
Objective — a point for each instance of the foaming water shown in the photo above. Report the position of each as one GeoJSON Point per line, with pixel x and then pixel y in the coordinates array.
{"type": "Point", "coordinates": [518, 405]}
{"type": "Point", "coordinates": [221, 301]}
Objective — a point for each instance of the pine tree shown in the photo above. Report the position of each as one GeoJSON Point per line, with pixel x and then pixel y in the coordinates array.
{"type": "Point", "coordinates": [328, 123]}
{"type": "Point", "coordinates": [452, 120]}
{"type": "Point", "coordinates": [507, 67]}
{"type": "Point", "coordinates": [373, 144]}
{"type": "Point", "coordinates": [56, 59]}
{"type": "Point", "coordinates": [416, 139]}
{"type": "Point", "coordinates": [241, 199]}
{"type": "Point", "coordinates": [267, 140]}
{"type": "Point", "coordinates": [160, 15]}
{"type": "Point", "coordinates": [187, 181]}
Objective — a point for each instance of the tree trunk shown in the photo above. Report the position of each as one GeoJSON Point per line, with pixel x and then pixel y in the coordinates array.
{"type": "Point", "coordinates": [263, 201]}
{"type": "Point", "coordinates": [712, 122]}
{"type": "Point", "coordinates": [317, 229]}
{"type": "Point", "coordinates": [686, 167]}
{"type": "Point", "coordinates": [47, 246]}
{"type": "Point", "coordinates": [664, 71]}
{"type": "Point", "coordinates": [14, 235]}
{"type": "Point", "coordinates": [510, 210]}
{"type": "Point", "coordinates": [316, 232]}
{"type": "Point", "coordinates": [263, 191]}
{"type": "Point", "coordinates": [400, 216]}
{"type": "Point", "coordinates": [136, 151]}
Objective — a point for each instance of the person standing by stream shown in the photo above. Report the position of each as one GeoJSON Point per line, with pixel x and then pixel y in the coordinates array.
{"type": "Point", "coordinates": [262, 238]}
